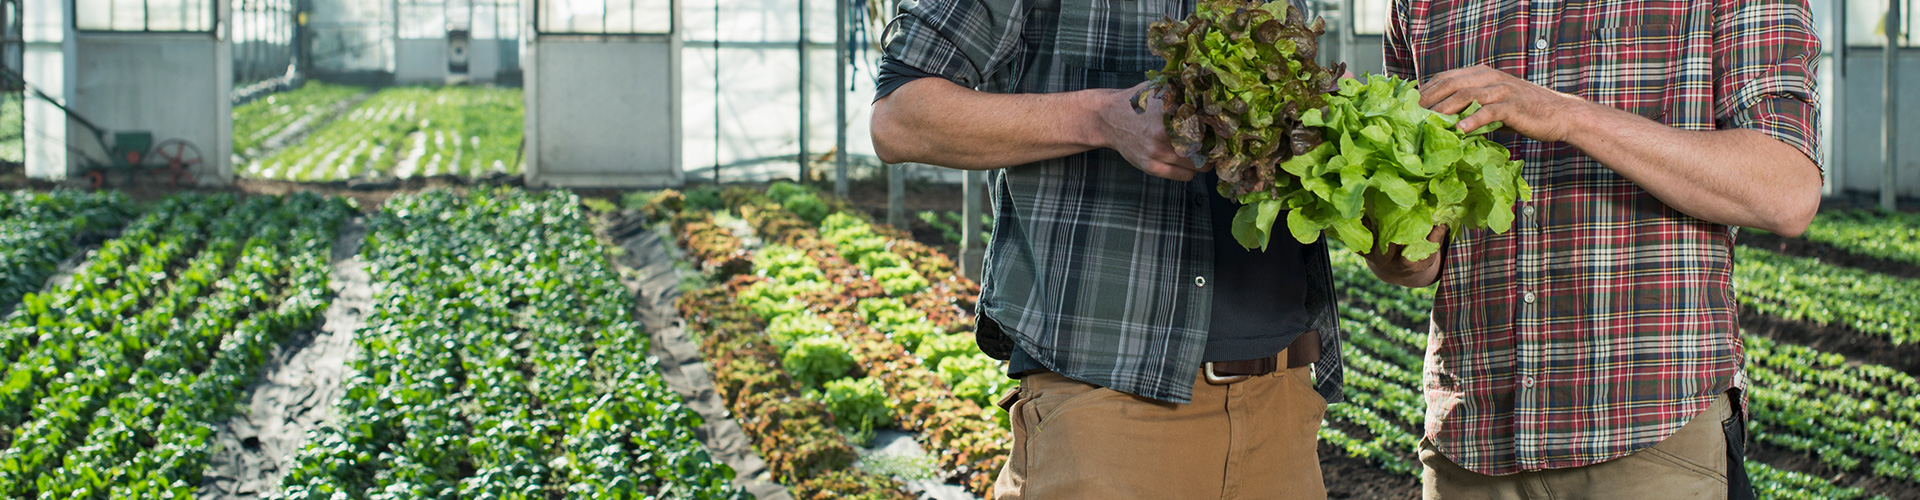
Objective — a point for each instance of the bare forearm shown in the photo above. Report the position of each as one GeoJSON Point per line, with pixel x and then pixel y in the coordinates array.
{"type": "Point", "coordinates": [1736, 177]}
{"type": "Point", "coordinates": [934, 121]}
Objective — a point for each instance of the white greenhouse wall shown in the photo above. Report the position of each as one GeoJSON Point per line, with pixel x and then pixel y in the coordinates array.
{"type": "Point", "coordinates": [601, 111]}
{"type": "Point", "coordinates": [174, 85]}
{"type": "Point", "coordinates": [1857, 155]}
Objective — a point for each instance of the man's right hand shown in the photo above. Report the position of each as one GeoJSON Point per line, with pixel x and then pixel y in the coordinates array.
{"type": "Point", "coordinates": [932, 120]}
{"type": "Point", "coordinates": [1394, 268]}
{"type": "Point", "coordinates": [1133, 122]}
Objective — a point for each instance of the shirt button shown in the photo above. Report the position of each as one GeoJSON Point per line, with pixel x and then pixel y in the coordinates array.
{"type": "Point", "coordinates": [1526, 381]}
{"type": "Point", "coordinates": [1540, 44]}
{"type": "Point", "coordinates": [1529, 297]}
{"type": "Point", "coordinates": [1200, 281]}
{"type": "Point", "coordinates": [1527, 210]}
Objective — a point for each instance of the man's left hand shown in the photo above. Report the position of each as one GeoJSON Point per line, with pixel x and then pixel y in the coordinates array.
{"type": "Point", "coordinates": [1528, 109]}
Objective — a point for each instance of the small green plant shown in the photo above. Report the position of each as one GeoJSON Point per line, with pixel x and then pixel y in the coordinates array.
{"type": "Point", "coordinates": [975, 376]}
{"type": "Point", "coordinates": [938, 349]}
{"type": "Point", "coordinates": [789, 329]}
{"type": "Point", "coordinates": [597, 205]}
{"type": "Point", "coordinates": [858, 405]}
{"type": "Point", "coordinates": [815, 360]}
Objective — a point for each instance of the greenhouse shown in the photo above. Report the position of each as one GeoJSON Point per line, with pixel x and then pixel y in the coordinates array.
{"type": "Point", "coordinates": [819, 249]}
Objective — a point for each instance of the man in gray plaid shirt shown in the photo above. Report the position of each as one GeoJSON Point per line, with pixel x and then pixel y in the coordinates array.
{"type": "Point", "coordinates": [1157, 358]}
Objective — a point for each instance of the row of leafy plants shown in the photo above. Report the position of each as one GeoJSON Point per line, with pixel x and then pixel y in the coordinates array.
{"type": "Point", "coordinates": [117, 380]}
{"type": "Point", "coordinates": [445, 131]}
{"type": "Point", "coordinates": [1856, 418]}
{"type": "Point", "coordinates": [847, 292]}
{"type": "Point", "coordinates": [1892, 236]}
{"type": "Point", "coordinates": [263, 118]}
{"type": "Point", "coordinates": [790, 426]}
{"type": "Point", "coordinates": [38, 230]}
{"type": "Point", "coordinates": [470, 131]}
{"type": "Point", "coordinates": [1804, 289]}
{"type": "Point", "coordinates": [501, 360]}
{"type": "Point", "coordinates": [909, 326]}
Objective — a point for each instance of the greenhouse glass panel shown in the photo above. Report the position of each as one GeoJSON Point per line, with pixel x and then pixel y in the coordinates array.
{"type": "Point", "coordinates": [423, 19]}
{"type": "Point", "coordinates": [144, 15]}
{"type": "Point", "coordinates": [1866, 23]}
{"type": "Point", "coordinates": [1370, 16]}
{"type": "Point", "coordinates": [605, 17]}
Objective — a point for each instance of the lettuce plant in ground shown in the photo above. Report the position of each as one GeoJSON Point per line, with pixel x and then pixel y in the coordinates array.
{"type": "Point", "coordinates": [815, 361]}
{"type": "Point", "coordinates": [1389, 172]}
{"type": "Point", "coordinates": [857, 403]}
{"type": "Point", "coordinates": [860, 244]}
{"type": "Point", "coordinates": [892, 317]}
{"type": "Point", "coordinates": [1238, 75]}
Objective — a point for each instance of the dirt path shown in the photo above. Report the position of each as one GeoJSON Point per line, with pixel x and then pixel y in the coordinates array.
{"type": "Point", "coordinates": [298, 389]}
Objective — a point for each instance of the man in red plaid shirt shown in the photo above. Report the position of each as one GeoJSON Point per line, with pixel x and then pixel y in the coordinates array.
{"type": "Point", "coordinates": [1593, 351]}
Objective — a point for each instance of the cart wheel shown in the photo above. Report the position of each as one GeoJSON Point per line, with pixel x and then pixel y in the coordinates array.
{"type": "Point", "coordinates": [181, 157]}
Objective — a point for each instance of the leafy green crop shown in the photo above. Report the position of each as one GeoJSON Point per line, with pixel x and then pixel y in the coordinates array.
{"type": "Point", "coordinates": [975, 376]}
{"type": "Point", "coordinates": [935, 351]}
{"type": "Point", "coordinates": [1893, 236]}
{"type": "Point", "coordinates": [1238, 75]}
{"type": "Point", "coordinates": [892, 318]}
{"type": "Point", "coordinates": [859, 404]}
{"type": "Point", "coordinates": [815, 360]}
{"type": "Point", "coordinates": [1390, 171]}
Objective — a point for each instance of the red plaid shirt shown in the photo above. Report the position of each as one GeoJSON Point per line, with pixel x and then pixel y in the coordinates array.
{"type": "Point", "coordinates": [1605, 320]}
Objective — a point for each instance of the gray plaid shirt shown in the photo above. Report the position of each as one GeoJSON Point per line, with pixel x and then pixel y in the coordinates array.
{"type": "Point", "coordinates": [1096, 269]}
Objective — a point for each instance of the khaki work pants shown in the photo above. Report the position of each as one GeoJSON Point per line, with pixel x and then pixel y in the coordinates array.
{"type": "Point", "coordinates": [1690, 464]}
{"type": "Point", "coordinates": [1250, 440]}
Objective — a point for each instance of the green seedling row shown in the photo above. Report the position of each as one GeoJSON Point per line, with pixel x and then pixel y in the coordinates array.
{"type": "Point", "coordinates": [116, 395]}
{"type": "Point", "coordinates": [1803, 289]}
{"type": "Point", "coordinates": [1882, 235]}
{"type": "Point", "coordinates": [409, 132]}
{"type": "Point", "coordinates": [500, 360]}
{"type": "Point", "coordinates": [38, 230]}
{"type": "Point", "coordinates": [261, 119]}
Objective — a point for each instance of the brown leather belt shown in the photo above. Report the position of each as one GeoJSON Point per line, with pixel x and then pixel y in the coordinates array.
{"type": "Point", "coordinates": [1302, 352]}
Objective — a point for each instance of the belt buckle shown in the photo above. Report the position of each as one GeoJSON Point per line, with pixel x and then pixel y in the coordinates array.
{"type": "Point", "coordinates": [1216, 379]}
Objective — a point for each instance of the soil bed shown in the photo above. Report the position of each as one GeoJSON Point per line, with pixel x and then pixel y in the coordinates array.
{"type": "Point", "coordinates": [1835, 339]}
{"type": "Point", "coordinates": [1789, 460]}
{"type": "Point", "coordinates": [1827, 254]}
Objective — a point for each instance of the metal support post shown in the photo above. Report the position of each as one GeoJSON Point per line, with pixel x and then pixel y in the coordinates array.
{"type": "Point", "coordinates": [1837, 95]}
{"type": "Point", "coordinates": [1890, 176]}
{"type": "Point", "coordinates": [841, 60]}
{"type": "Point", "coordinates": [897, 196]}
{"type": "Point", "coordinates": [973, 251]}
{"type": "Point", "coordinates": [805, 158]}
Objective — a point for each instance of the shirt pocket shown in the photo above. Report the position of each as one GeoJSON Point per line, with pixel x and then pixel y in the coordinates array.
{"type": "Point", "coordinates": [1632, 66]}
{"type": "Point", "coordinates": [1111, 35]}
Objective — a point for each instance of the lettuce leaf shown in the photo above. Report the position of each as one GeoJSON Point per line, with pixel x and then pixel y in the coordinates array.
{"type": "Point", "coordinates": [1388, 173]}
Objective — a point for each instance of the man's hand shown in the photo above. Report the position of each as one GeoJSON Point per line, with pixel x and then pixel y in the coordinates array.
{"type": "Point", "coordinates": [1393, 268]}
{"type": "Point", "coordinates": [1527, 108]}
{"type": "Point", "coordinates": [932, 120]}
{"type": "Point", "coordinates": [1133, 122]}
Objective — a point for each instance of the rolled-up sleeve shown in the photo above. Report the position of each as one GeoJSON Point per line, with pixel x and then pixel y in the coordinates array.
{"type": "Point", "coordinates": [970, 42]}
{"type": "Point", "coordinates": [1765, 57]}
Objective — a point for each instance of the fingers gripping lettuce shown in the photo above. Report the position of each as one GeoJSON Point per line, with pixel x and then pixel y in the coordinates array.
{"type": "Point", "coordinates": [1238, 76]}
